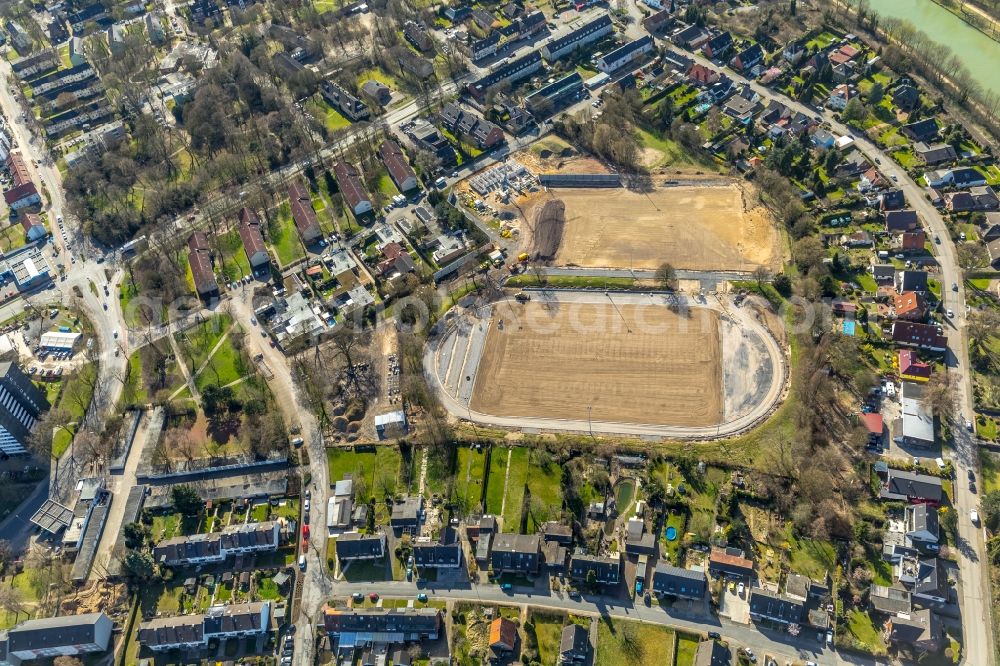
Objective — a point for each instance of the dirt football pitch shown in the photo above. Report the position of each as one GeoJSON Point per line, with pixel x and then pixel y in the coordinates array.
{"type": "Point", "coordinates": [554, 360]}
{"type": "Point", "coordinates": [706, 227]}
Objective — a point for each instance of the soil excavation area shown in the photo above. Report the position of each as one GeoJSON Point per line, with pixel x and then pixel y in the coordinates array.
{"type": "Point", "coordinates": [627, 363]}
{"type": "Point", "coordinates": [693, 227]}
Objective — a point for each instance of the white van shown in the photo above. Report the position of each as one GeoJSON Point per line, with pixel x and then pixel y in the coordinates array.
{"type": "Point", "coordinates": [302, 562]}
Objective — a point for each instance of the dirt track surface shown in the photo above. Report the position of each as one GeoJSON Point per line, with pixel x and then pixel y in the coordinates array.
{"type": "Point", "coordinates": [692, 227]}
{"type": "Point", "coordinates": [554, 360]}
{"type": "Point", "coordinates": [547, 229]}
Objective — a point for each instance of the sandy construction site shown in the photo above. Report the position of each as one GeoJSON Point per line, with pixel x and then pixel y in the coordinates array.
{"type": "Point", "coordinates": [708, 227]}
{"type": "Point", "coordinates": [627, 363]}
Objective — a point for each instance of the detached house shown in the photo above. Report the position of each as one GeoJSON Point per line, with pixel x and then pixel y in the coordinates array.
{"type": "Point", "coordinates": [921, 526]}
{"type": "Point", "coordinates": [747, 59]}
{"type": "Point", "coordinates": [303, 214]}
{"type": "Point", "coordinates": [909, 306]}
{"type": "Point", "coordinates": [921, 130]}
{"type": "Point", "coordinates": [253, 240]}
{"type": "Point", "coordinates": [934, 154]}
{"type": "Point", "coordinates": [347, 104]}
{"type": "Point", "coordinates": [718, 47]}
{"type": "Point", "coordinates": [199, 258]}
{"type": "Point", "coordinates": [918, 631]}
{"type": "Point", "coordinates": [22, 192]}
{"type": "Point", "coordinates": [911, 487]}
{"type": "Point", "coordinates": [915, 281]}
{"type": "Point", "coordinates": [355, 546]}
{"type": "Point", "coordinates": [397, 166]}
{"type": "Point", "coordinates": [839, 97]}
{"type": "Point", "coordinates": [349, 182]}
{"type": "Point", "coordinates": [918, 336]}
{"type": "Point", "coordinates": [911, 368]}
{"type": "Point", "coordinates": [898, 221]}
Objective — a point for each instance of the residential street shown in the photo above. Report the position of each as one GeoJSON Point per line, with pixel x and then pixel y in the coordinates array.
{"type": "Point", "coordinates": [779, 644]}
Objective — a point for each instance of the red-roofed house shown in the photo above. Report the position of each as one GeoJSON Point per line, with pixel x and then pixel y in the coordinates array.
{"type": "Point", "coordinates": [349, 182]}
{"type": "Point", "coordinates": [303, 213]}
{"type": "Point", "coordinates": [730, 561]}
{"type": "Point", "coordinates": [909, 306]}
{"type": "Point", "coordinates": [399, 170]}
{"type": "Point", "coordinates": [912, 368]}
{"type": "Point", "coordinates": [503, 635]}
{"type": "Point", "coordinates": [701, 75]}
{"type": "Point", "coordinates": [919, 336]}
{"type": "Point", "coordinates": [253, 240]}
{"type": "Point", "coordinates": [23, 192]}
{"type": "Point", "coordinates": [839, 97]}
{"type": "Point", "coordinates": [200, 260]}
{"type": "Point", "coordinates": [913, 241]}
{"type": "Point", "coordinates": [875, 426]}
{"type": "Point", "coordinates": [33, 227]}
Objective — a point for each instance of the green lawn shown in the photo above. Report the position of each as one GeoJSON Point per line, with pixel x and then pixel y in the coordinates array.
{"type": "Point", "coordinates": [284, 236]}
{"type": "Point", "coordinates": [673, 154]}
{"type": "Point", "coordinates": [545, 486]}
{"type": "Point", "coordinates": [469, 469]}
{"type": "Point", "coordinates": [232, 257]}
{"type": "Point", "coordinates": [625, 643]}
{"type": "Point", "coordinates": [678, 522]}
{"type": "Point", "coordinates": [327, 115]}
{"type": "Point", "coordinates": [226, 365]}
{"type": "Point", "coordinates": [810, 557]}
{"type": "Point", "coordinates": [573, 282]}
{"type": "Point", "coordinates": [75, 397]}
{"type": "Point", "coordinates": [862, 631]}
{"type": "Point", "coordinates": [198, 341]}
{"type": "Point", "coordinates": [990, 470]}
{"type": "Point", "coordinates": [515, 485]}
{"type": "Point", "coordinates": [11, 238]}
{"type": "Point", "coordinates": [376, 471]}
{"type": "Point", "coordinates": [386, 186]}
{"type": "Point", "coordinates": [548, 631]}
{"type": "Point", "coordinates": [687, 647]}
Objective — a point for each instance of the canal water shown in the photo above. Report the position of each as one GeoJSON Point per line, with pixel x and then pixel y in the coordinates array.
{"type": "Point", "coordinates": [979, 53]}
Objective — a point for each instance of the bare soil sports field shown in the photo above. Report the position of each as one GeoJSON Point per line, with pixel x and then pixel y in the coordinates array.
{"type": "Point", "coordinates": [695, 227]}
{"type": "Point", "coordinates": [553, 360]}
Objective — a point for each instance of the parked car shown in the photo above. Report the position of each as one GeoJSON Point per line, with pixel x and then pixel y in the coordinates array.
{"type": "Point", "coordinates": [358, 597]}
{"type": "Point", "coordinates": [715, 635]}
{"type": "Point", "coordinates": [974, 517]}
{"type": "Point", "coordinates": [422, 598]}
{"type": "Point", "coordinates": [373, 597]}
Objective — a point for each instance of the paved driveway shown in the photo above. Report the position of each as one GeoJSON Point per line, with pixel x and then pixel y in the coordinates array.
{"type": "Point", "coordinates": [735, 607]}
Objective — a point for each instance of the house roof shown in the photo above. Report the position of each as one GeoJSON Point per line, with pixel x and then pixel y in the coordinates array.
{"type": "Point", "coordinates": [901, 220]}
{"type": "Point", "coordinates": [605, 568]}
{"type": "Point", "coordinates": [913, 281]}
{"type": "Point", "coordinates": [907, 302]}
{"type": "Point", "coordinates": [503, 633]}
{"type": "Point", "coordinates": [922, 130]}
{"type": "Point", "coordinates": [201, 263]}
{"type": "Point", "coordinates": [508, 542]}
{"type": "Point", "coordinates": [350, 185]}
{"type": "Point", "coordinates": [892, 200]}
{"type": "Point", "coordinates": [910, 365]}
{"type": "Point", "coordinates": [381, 620]}
{"type": "Point", "coordinates": [895, 599]}
{"type": "Point", "coordinates": [919, 335]}
{"type": "Point", "coordinates": [55, 632]}
{"type": "Point", "coordinates": [776, 606]}
{"type": "Point", "coordinates": [873, 422]}
{"type": "Point", "coordinates": [302, 211]}
{"type": "Point", "coordinates": [922, 518]}
{"type": "Point", "coordinates": [574, 639]}
{"type": "Point", "coordinates": [727, 559]}
{"type": "Point", "coordinates": [901, 484]}
{"type": "Point", "coordinates": [355, 545]}
{"type": "Point", "coordinates": [29, 221]}
{"type": "Point", "coordinates": [935, 153]}
{"type": "Point", "coordinates": [395, 162]}
{"type": "Point", "coordinates": [253, 240]}
{"type": "Point", "coordinates": [920, 626]}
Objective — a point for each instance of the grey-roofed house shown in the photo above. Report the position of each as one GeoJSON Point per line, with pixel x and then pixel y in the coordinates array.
{"type": "Point", "coordinates": [239, 539]}
{"type": "Point", "coordinates": [910, 486]}
{"type": "Point", "coordinates": [55, 636]}
{"type": "Point", "coordinates": [891, 200]}
{"type": "Point", "coordinates": [678, 582]}
{"type": "Point", "coordinates": [589, 32]}
{"type": "Point", "coordinates": [574, 644]}
{"type": "Point", "coordinates": [606, 570]}
{"type": "Point", "coordinates": [378, 91]}
{"type": "Point", "coordinates": [556, 531]}
{"type": "Point", "coordinates": [905, 97]}
{"type": "Point", "coordinates": [355, 627]}
{"type": "Point", "coordinates": [222, 622]}
{"type": "Point", "coordinates": [884, 274]}
{"type": "Point", "coordinates": [920, 630]}
{"type": "Point", "coordinates": [912, 281]}
{"type": "Point", "coordinates": [893, 600]}
{"type": "Point", "coordinates": [356, 546]}
{"type": "Point", "coordinates": [923, 578]}
{"type": "Point", "coordinates": [765, 605]}
{"type": "Point", "coordinates": [406, 514]}
{"type": "Point", "coordinates": [921, 526]}
{"type": "Point", "coordinates": [898, 221]}
{"type": "Point", "coordinates": [515, 553]}
{"type": "Point", "coordinates": [442, 553]}
{"type": "Point", "coordinates": [645, 544]}
{"type": "Point", "coordinates": [921, 130]}
{"type": "Point", "coordinates": [917, 417]}
{"type": "Point", "coordinates": [937, 153]}
{"type": "Point", "coordinates": [554, 556]}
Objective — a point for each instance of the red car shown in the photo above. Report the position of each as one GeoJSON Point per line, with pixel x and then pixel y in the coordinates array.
{"type": "Point", "coordinates": [305, 532]}
{"type": "Point", "coordinates": [373, 596]}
